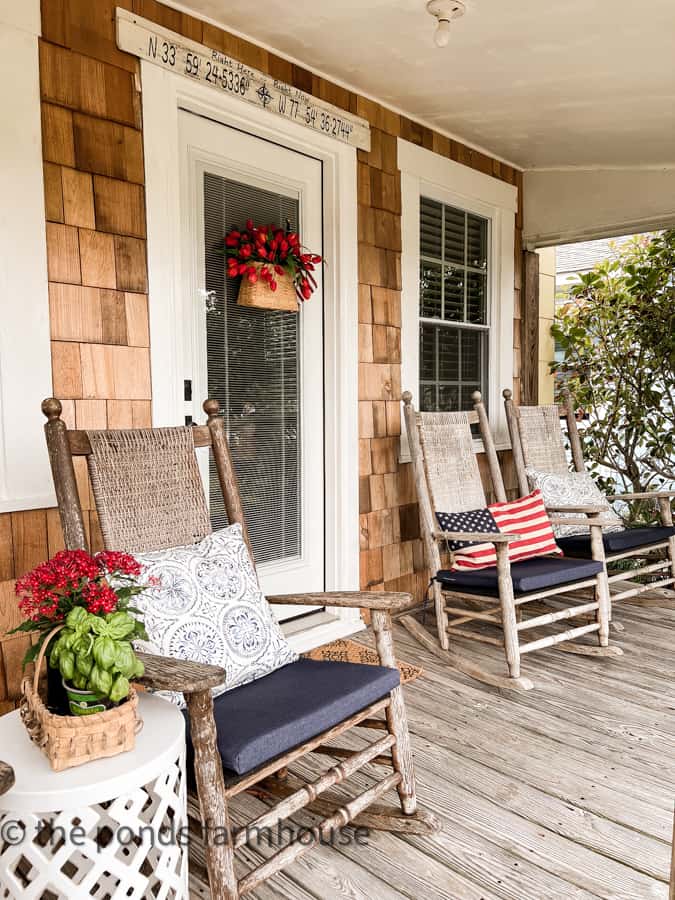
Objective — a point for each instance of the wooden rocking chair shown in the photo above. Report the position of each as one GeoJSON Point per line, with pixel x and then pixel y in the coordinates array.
{"type": "Point", "coordinates": [357, 694]}
{"type": "Point", "coordinates": [537, 441]}
{"type": "Point", "coordinates": [447, 479]}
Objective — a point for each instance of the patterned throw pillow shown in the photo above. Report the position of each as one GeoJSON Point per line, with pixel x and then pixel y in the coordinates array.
{"type": "Point", "coordinates": [572, 489]}
{"type": "Point", "coordinates": [526, 516]}
{"type": "Point", "coordinates": [208, 607]}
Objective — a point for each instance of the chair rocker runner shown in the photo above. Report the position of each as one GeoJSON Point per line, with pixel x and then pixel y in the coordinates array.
{"type": "Point", "coordinates": [537, 442]}
{"type": "Point", "coordinates": [448, 479]}
{"type": "Point", "coordinates": [356, 696]}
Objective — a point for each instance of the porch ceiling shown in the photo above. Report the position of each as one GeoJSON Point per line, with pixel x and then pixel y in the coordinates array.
{"type": "Point", "coordinates": [540, 84]}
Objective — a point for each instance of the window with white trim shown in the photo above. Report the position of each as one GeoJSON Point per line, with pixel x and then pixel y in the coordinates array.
{"type": "Point", "coordinates": [457, 302]}
{"type": "Point", "coordinates": [453, 306]}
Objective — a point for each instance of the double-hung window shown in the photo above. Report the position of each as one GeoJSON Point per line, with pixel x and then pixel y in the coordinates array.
{"type": "Point", "coordinates": [457, 267]}
{"type": "Point", "coordinates": [454, 330]}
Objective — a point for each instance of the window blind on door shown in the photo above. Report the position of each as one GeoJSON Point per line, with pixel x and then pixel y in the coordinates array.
{"type": "Point", "coordinates": [253, 371]}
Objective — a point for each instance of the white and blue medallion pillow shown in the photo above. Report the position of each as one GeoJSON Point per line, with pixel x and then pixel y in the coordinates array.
{"type": "Point", "coordinates": [203, 603]}
{"type": "Point", "coordinates": [572, 489]}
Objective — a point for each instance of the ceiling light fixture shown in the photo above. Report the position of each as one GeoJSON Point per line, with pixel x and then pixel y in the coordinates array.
{"type": "Point", "coordinates": [445, 11]}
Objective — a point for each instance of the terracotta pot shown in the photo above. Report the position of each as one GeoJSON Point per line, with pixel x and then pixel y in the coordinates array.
{"type": "Point", "coordinates": [260, 296]}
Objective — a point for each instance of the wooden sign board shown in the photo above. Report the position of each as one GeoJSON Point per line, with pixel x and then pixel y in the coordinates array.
{"type": "Point", "coordinates": [197, 62]}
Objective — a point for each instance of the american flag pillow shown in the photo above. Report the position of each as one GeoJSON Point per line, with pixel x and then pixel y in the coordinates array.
{"type": "Point", "coordinates": [474, 520]}
{"type": "Point", "coordinates": [526, 516]}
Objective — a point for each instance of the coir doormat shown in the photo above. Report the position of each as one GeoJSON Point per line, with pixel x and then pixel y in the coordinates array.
{"type": "Point", "coordinates": [352, 651]}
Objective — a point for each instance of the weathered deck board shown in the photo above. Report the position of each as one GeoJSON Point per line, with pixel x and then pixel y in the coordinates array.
{"type": "Point", "coordinates": [562, 792]}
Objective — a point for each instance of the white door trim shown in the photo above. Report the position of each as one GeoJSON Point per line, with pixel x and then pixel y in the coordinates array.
{"type": "Point", "coordinates": [163, 94]}
{"type": "Point", "coordinates": [208, 146]}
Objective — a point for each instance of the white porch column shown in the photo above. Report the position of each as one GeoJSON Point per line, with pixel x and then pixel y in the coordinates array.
{"type": "Point", "coordinates": [25, 358]}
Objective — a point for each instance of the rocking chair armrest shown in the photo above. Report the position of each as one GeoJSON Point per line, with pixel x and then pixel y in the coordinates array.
{"type": "Point", "coordinates": [585, 509]}
{"type": "Point", "coordinates": [482, 537]}
{"type": "Point", "coordinates": [646, 495]}
{"type": "Point", "coordinates": [579, 520]}
{"type": "Point", "coordinates": [387, 601]}
{"type": "Point", "coordinates": [163, 673]}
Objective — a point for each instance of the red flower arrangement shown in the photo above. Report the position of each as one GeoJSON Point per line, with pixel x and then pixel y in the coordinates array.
{"type": "Point", "coordinates": [102, 584]}
{"type": "Point", "coordinates": [73, 578]}
{"type": "Point", "coordinates": [274, 252]}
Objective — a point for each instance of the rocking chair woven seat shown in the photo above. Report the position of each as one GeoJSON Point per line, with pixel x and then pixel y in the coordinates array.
{"type": "Point", "coordinates": [579, 545]}
{"type": "Point", "coordinates": [526, 576]}
{"type": "Point", "coordinates": [262, 719]}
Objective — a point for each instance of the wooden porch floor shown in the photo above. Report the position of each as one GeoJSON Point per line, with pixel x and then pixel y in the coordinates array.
{"type": "Point", "coordinates": [564, 792]}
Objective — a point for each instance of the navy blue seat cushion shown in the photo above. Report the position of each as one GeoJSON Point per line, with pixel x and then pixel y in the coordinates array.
{"type": "Point", "coordinates": [579, 545]}
{"type": "Point", "coordinates": [267, 717]}
{"type": "Point", "coordinates": [528, 575]}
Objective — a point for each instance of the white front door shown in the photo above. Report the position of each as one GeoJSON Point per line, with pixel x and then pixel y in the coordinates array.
{"type": "Point", "coordinates": [265, 367]}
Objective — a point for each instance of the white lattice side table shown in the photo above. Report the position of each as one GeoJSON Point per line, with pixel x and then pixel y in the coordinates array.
{"type": "Point", "coordinates": [110, 829]}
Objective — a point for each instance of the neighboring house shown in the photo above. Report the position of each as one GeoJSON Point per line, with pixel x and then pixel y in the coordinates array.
{"type": "Point", "coordinates": [572, 260]}
{"type": "Point", "coordinates": [559, 269]}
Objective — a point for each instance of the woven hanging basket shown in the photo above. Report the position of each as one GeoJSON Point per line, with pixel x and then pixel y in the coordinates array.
{"type": "Point", "coordinates": [260, 296]}
{"type": "Point", "coordinates": [70, 741]}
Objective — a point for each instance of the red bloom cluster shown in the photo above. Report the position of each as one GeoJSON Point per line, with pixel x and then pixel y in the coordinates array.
{"type": "Point", "coordinates": [115, 562]}
{"type": "Point", "coordinates": [73, 578]}
{"type": "Point", "coordinates": [42, 589]}
{"type": "Point", "coordinates": [266, 251]}
{"type": "Point", "coordinates": [99, 597]}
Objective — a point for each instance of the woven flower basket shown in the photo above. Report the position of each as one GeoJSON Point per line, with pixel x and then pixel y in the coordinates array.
{"type": "Point", "coordinates": [72, 740]}
{"type": "Point", "coordinates": [260, 296]}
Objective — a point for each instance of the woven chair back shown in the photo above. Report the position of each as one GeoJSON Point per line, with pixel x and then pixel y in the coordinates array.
{"type": "Point", "coordinates": [450, 463]}
{"type": "Point", "coordinates": [541, 438]}
{"type": "Point", "coordinates": [146, 482]}
{"type": "Point", "coordinates": [147, 487]}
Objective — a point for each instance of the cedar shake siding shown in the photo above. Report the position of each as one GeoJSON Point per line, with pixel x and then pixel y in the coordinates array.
{"type": "Point", "coordinates": [96, 243]}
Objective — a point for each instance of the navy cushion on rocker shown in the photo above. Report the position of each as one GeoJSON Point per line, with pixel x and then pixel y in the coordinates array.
{"type": "Point", "coordinates": [527, 576]}
{"type": "Point", "coordinates": [615, 541]}
{"type": "Point", "coordinates": [260, 720]}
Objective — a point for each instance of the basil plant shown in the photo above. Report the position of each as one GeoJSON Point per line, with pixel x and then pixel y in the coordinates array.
{"type": "Point", "coordinates": [95, 652]}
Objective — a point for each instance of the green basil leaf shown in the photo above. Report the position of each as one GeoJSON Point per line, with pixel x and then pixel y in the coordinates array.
{"type": "Point", "coordinates": [68, 636]}
{"type": "Point", "coordinates": [99, 625]}
{"type": "Point", "coordinates": [139, 669]}
{"type": "Point", "coordinates": [100, 680]}
{"type": "Point", "coordinates": [81, 644]}
{"type": "Point", "coordinates": [119, 689]}
{"type": "Point", "coordinates": [77, 617]}
{"type": "Point", "coordinates": [104, 652]}
{"type": "Point", "coordinates": [83, 663]}
{"type": "Point", "coordinates": [125, 658]}
{"type": "Point", "coordinates": [54, 654]}
{"type": "Point", "coordinates": [67, 664]}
